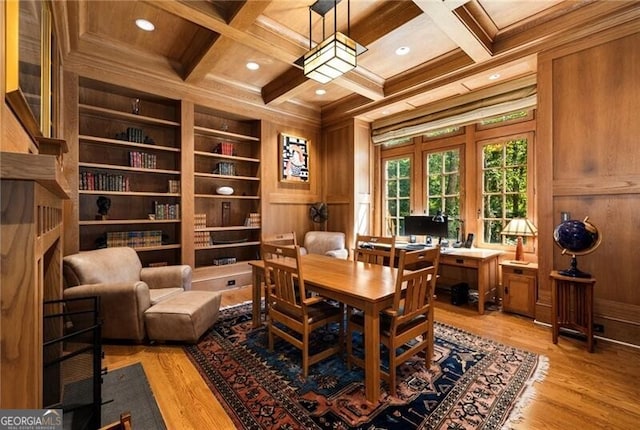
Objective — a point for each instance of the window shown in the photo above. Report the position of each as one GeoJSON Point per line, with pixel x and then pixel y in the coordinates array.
{"type": "Point", "coordinates": [442, 173]}
{"type": "Point", "coordinates": [505, 191]}
{"type": "Point", "coordinates": [397, 199]}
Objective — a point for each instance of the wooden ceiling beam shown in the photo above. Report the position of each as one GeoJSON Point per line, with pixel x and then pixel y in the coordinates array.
{"type": "Point", "coordinates": [464, 31]}
{"type": "Point", "coordinates": [222, 46]}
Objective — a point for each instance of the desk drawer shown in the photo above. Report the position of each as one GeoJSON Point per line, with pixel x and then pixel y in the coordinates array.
{"type": "Point", "coordinates": [453, 260]}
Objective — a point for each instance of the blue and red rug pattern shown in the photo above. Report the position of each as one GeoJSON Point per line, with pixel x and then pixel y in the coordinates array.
{"type": "Point", "coordinates": [472, 382]}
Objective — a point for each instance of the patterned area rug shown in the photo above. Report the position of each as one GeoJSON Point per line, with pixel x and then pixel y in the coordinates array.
{"type": "Point", "coordinates": [472, 383]}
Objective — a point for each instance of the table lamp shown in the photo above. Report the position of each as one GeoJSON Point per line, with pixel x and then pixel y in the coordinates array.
{"type": "Point", "coordinates": [519, 227]}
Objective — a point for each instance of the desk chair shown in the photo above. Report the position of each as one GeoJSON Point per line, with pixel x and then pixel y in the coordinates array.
{"type": "Point", "coordinates": [411, 314]}
{"type": "Point", "coordinates": [290, 308]}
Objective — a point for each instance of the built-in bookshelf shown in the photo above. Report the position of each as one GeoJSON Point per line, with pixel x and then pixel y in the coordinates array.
{"type": "Point", "coordinates": [226, 160]}
{"type": "Point", "coordinates": [129, 157]}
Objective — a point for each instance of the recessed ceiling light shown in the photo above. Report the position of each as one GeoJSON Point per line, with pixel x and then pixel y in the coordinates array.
{"type": "Point", "coordinates": [321, 92]}
{"type": "Point", "coordinates": [494, 76]}
{"type": "Point", "coordinates": [251, 65]}
{"type": "Point", "coordinates": [145, 25]}
{"type": "Point", "coordinates": [403, 50]}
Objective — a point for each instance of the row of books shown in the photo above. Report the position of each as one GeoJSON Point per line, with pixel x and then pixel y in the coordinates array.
{"type": "Point", "coordinates": [174, 186]}
{"type": "Point", "coordinates": [142, 160]}
{"type": "Point", "coordinates": [166, 210]}
{"type": "Point", "coordinates": [224, 148]}
{"type": "Point", "coordinates": [91, 181]}
{"type": "Point", "coordinates": [134, 239]}
{"type": "Point", "coordinates": [225, 168]}
{"type": "Point", "coordinates": [202, 239]}
{"type": "Point", "coordinates": [224, 260]}
{"type": "Point", "coordinates": [253, 220]}
{"type": "Point", "coordinates": [200, 221]}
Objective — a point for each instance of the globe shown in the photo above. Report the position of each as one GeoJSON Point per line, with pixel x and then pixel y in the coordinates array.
{"type": "Point", "coordinates": [577, 238]}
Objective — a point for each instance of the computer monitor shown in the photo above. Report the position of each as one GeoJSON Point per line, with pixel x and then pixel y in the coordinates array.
{"type": "Point", "coordinates": [423, 225]}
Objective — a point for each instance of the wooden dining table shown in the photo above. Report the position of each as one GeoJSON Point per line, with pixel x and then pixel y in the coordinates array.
{"type": "Point", "coordinates": [369, 287]}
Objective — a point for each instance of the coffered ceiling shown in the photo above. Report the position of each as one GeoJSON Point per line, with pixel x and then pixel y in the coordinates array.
{"type": "Point", "coordinates": [455, 46]}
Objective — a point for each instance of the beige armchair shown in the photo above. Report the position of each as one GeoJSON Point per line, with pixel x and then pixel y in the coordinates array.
{"type": "Point", "coordinates": [331, 243]}
{"type": "Point", "coordinates": [125, 288]}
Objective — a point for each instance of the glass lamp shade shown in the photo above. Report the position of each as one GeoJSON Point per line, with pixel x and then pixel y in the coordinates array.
{"type": "Point", "coordinates": [333, 57]}
{"type": "Point", "coordinates": [519, 227]}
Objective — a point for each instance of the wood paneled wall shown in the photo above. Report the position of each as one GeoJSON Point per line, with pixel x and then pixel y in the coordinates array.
{"type": "Point", "coordinates": [589, 165]}
{"type": "Point", "coordinates": [348, 161]}
{"type": "Point", "coordinates": [285, 205]}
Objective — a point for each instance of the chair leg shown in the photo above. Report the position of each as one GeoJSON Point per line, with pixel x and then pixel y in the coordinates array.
{"type": "Point", "coordinates": [270, 335]}
{"type": "Point", "coordinates": [305, 353]}
{"type": "Point", "coordinates": [392, 368]}
{"type": "Point", "coordinates": [349, 337]}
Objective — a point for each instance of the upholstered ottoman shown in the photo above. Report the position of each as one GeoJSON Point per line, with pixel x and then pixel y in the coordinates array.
{"type": "Point", "coordinates": [183, 317]}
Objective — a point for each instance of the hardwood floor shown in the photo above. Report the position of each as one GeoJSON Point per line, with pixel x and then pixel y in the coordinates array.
{"type": "Point", "coordinates": [580, 391]}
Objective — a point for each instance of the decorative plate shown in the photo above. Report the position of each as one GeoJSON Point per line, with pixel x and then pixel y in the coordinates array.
{"type": "Point", "coordinates": [225, 191]}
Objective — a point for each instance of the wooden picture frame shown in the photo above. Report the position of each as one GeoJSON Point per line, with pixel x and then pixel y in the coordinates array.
{"type": "Point", "coordinates": [28, 64]}
{"type": "Point", "coordinates": [294, 159]}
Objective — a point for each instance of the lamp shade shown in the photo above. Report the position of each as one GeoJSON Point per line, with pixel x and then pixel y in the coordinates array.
{"type": "Point", "coordinates": [333, 57]}
{"type": "Point", "coordinates": [520, 227]}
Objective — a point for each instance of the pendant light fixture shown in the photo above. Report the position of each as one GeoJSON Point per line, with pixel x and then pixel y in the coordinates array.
{"type": "Point", "coordinates": [336, 54]}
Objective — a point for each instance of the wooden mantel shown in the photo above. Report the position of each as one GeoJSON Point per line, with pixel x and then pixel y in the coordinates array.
{"type": "Point", "coordinates": [32, 189]}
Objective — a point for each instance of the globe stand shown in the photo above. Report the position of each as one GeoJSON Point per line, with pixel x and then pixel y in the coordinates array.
{"type": "Point", "coordinates": [573, 271]}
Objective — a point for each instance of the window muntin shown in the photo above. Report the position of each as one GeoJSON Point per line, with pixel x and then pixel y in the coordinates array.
{"type": "Point", "coordinates": [397, 199]}
{"type": "Point", "coordinates": [442, 176]}
{"type": "Point", "coordinates": [505, 191]}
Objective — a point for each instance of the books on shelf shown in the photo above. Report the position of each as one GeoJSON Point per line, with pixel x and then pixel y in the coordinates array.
{"type": "Point", "coordinates": [166, 210]}
{"type": "Point", "coordinates": [202, 239]}
{"type": "Point", "coordinates": [90, 181]}
{"type": "Point", "coordinates": [253, 220]}
{"type": "Point", "coordinates": [225, 168]}
{"type": "Point", "coordinates": [142, 160]}
{"type": "Point", "coordinates": [200, 221]}
{"type": "Point", "coordinates": [224, 148]}
{"type": "Point", "coordinates": [174, 186]}
{"type": "Point", "coordinates": [134, 239]}
{"type": "Point", "coordinates": [224, 260]}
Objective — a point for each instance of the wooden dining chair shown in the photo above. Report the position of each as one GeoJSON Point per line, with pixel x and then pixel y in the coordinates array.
{"type": "Point", "coordinates": [375, 249]}
{"type": "Point", "coordinates": [292, 310]}
{"type": "Point", "coordinates": [407, 326]}
{"type": "Point", "coordinates": [284, 239]}
{"type": "Point", "coordinates": [372, 250]}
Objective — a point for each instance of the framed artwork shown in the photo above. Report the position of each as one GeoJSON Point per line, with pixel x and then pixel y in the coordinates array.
{"type": "Point", "coordinates": [294, 159]}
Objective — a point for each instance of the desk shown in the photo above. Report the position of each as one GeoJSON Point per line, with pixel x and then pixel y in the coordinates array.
{"type": "Point", "coordinates": [369, 287]}
{"type": "Point", "coordinates": [484, 264]}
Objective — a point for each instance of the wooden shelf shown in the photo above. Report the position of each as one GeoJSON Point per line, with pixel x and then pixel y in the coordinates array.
{"type": "Point", "coordinates": [230, 177]}
{"type": "Point", "coordinates": [221, 133]}
{"type": "Point", "coordinates": [222, 196]}
{"type": "Point", "coordinates": [130, 193]}
{"type": "Point", "coordinates": [233, 228]}
{"type": "Point", "coordinates": [110, 113]}
{"type": "Point", "coordinates": [226, 157]}
{"type": "Point", "coordinates": [228, 245]}
{"type": "Point", "coordinates": [128, 221]}
{"type": "Point", "coordinates": [127, 168]}
{"type": "Point", "coordinates": [105, 140]}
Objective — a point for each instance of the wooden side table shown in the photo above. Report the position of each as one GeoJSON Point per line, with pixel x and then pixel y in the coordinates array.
{"type": "Point", "coordinates": [572, 305]}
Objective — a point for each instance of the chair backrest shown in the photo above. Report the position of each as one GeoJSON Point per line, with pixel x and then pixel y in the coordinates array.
{"type": "Point", "coordinates": [320, 242]}
{"type": "Point", "coordinates": [108, 265]}
{"type": "Point", "coordinates": [288, 238]}
{"type": "Point", "coordinates": [375, 249]}
{"type": "Point", "coordinates": [283, 271]}
{"type": "Point", "coordinates": [415, 288]}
